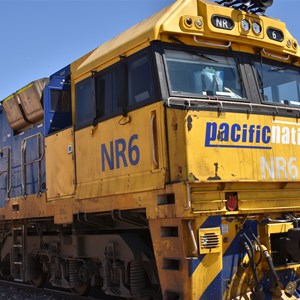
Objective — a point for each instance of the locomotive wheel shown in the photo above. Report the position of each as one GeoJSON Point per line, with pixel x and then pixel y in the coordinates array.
{"type": "Point", "coordinates": [39, 281]}
{"type": "Point", "coordinates": [82, 289]}
{"type": "Point", "coordinates": [39, 277]}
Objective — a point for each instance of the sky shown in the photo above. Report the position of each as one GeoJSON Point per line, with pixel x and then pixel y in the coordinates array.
{"type": "Point", "coordinates": [39, 37]}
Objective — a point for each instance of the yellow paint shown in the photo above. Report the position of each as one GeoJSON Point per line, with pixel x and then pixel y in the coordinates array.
{"type": "Point", "coordinates": [119, 157]}
{"type": "Point", "coordinates": [8, 98]}
{"type": "Point", "coordinates": [63, 212]}
{"type": "Point", "coordinates": [178, 162]}
{"type": "Point", "coordinates": [237, 34]}
{"type": "Point", "coordinates": [278, 228]}
{"type": "Point", "coordinates": [25, 88]}
{"type": "Point", "coordinates": [205, 273]}
{"type": "Point", "coordinates": [235, 147]}
{"type": "Point", "coordinates": [60, 178]}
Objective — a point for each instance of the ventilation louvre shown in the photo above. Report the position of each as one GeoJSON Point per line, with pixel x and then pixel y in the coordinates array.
{"type": "Point", "coordinates": [209, 240]}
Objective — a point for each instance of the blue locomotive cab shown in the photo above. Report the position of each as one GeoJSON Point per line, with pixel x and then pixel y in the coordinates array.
{"type": "Point", "coordinates": [26, 117]}
{"type": "Point", "coordinates": [22, 147]}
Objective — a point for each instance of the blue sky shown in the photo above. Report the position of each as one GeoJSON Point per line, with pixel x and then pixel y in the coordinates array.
{"type": "Point", "coordinates": [38, 37]}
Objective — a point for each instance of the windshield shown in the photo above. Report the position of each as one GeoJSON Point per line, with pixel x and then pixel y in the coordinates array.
{"type": "Point", "coordinates": [278, 84]}
{"type": "Point", "coordinates": [196, 75]}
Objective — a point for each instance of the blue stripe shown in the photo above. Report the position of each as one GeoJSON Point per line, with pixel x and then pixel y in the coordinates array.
{"type": "Point", "coordinates": [194, 263]}
{"type": "Point", "coordinates": [232, 258]}
{"type": "Point", "coordinates": [214, 290]}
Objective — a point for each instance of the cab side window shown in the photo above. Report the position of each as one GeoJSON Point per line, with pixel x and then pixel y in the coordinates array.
{"type": "Point", "coordinates": [60, 101]}
{"type": "Point", "coordinates": [85, 104]}
{"type": "Point", "coordinates": [140, 83]}
{"type": "Point", "coordinates": [120, 88]}
{"type": "Point", "coordinates": [110, 91]}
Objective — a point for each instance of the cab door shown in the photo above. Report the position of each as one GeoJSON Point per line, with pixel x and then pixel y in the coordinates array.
{"type": "Point", "coordinates": [59, 137]}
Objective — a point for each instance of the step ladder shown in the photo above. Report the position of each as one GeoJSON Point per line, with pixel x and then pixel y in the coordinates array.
{"type": "Point", "coordinates": [18, 256]}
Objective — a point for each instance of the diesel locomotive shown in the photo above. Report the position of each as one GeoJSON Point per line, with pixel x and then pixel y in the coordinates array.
{"type": "Point", "coordinates": [163, 164]}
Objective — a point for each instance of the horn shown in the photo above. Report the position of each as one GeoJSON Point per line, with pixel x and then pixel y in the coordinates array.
{"type": "Point", "coordinates": [246, 2]}
{"type": "Point", "coordinates": [263, 3]}
{"type": "Point", "coordinates": [260, 5]}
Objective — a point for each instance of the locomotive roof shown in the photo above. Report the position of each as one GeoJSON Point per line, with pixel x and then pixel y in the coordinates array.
{"type": "Point", "coordinates": [169, 21]}
{"type": "Point", "coordinates": [140, 33]}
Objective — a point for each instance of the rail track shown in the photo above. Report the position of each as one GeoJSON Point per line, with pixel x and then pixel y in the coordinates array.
{"type": "Point", "coordinates": [10, 290]}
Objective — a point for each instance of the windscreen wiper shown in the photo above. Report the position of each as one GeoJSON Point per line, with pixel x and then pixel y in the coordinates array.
{"type": "Point", "coordinates": [278, 69]}
{"type": "Point", "coordinates": [190, 50]}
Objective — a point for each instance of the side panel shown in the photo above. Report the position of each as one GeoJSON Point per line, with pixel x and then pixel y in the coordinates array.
{"type": "Point", "coordinates": [122, 155]}
{"type": "Point", "coordinates": [177, 140]}
{"type": "Point", "coordinates": [60, 164]}
{"type": "Point", "coordinates": [28, 163]}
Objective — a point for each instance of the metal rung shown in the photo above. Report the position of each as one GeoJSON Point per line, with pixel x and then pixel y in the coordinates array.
{"type": "Point", "coordinates": [17, 228]}
{"type": "Point", "coordinates": [18, 258]}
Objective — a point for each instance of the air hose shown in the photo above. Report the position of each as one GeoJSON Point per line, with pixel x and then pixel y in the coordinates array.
{"type": "Point", "coordinates": [270, 263]}
{"type": "Point", "coordinates": [275, 290]}
{"type": "Point", "coordinates": [258, 288]}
